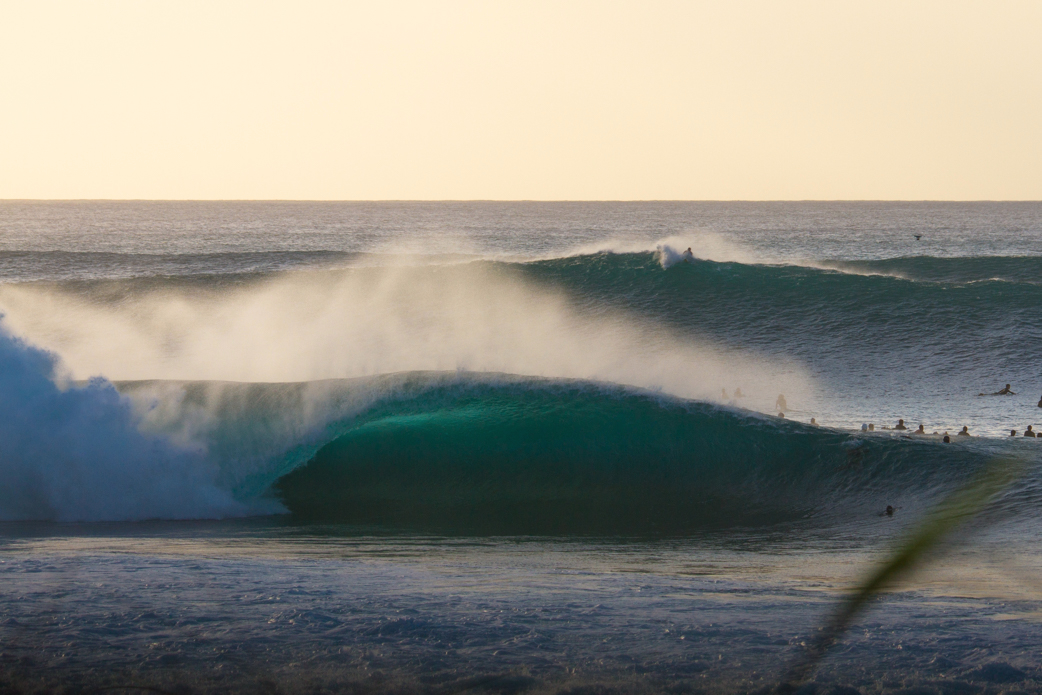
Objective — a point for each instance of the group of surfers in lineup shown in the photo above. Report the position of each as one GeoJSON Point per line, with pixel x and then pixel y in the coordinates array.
{"type": "Point", "coordinates": [781, 406]}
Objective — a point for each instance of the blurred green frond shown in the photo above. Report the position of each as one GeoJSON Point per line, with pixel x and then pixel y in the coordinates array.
{"type": "Point", "coordinates": [959, 506]}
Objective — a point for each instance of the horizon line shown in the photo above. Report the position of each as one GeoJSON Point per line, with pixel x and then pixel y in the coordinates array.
{"type": "Point", "coordinates": [516, 200]}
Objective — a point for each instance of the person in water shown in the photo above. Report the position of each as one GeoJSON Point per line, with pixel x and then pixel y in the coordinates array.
{"type": "Point", "coordinates": [1029, 432]}
{"type": "Point", "coordinates": [1013, 433]}
{"type": "Point", "coordinates": [871, 427]}
{"type": "Point", "coordinates": [688, 256]}
{"type": "Point", "coordinates": [920, 430]}
{"type": "Point", "coordinates": [900, 425]}
{"type": "Point", "coordinates": [1003, 392]}
{"type": "Point", "coordinates": [1040, 402]}
{"type": "Point", "coordinates": [889, 510]}
{"type": "Point", "coordinates": [965, 432]}
{"type": "Point", "coordinates": [780, 405]}
{"type": "Point", "coordinates": [947, 439]}
{"type": "Point", "coordinates": [813, 421]}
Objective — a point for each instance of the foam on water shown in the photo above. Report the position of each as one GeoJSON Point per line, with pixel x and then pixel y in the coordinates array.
{"type": "Point", "coordinates": [76, 453]}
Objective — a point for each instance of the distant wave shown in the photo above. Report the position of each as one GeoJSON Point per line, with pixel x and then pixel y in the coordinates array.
{"type": "Point", "coordinates": [59, 266]}
{"type": "Point", "coordinates": [65, 266]}
{"type": "Point", "coordinates": [690, 328]}
{"type": "Point", "coordinates": [976, 317]}
{"type": "Point", "coordinates": [957, 270]}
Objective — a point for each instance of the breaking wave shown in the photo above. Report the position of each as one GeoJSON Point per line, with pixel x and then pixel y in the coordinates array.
{"type": "Point", "coordinates": [566, 395]}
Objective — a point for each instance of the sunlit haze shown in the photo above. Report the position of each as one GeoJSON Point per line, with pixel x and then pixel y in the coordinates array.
{"type": "Point", "coordinates": [521, 100]}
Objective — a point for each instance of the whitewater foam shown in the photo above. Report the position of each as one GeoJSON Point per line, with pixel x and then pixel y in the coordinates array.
{"type": "Point", "coordinates": [76, 453]}
{"type": "Point", "coordinates": [705, 245]}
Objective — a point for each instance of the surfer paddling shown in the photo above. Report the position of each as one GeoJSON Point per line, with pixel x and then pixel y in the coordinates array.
{"type": "Point", "coordinates": [1002, 392]}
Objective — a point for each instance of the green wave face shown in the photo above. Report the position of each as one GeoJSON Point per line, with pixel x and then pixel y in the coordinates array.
{"type": "Point", "coordinates": [551, 458]}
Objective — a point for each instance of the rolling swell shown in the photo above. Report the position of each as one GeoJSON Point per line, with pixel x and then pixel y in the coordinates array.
{"type": "Point", "coordinates": [689, 294]}
{"type": "Point", "coordinates": [542, 457]}
{"type": "Point", "coordinates": [941, 315]}
{"type": "Point", "coordinates": [1016, 269]}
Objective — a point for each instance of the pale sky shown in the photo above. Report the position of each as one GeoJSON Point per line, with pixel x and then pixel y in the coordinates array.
{"type": "Point", "coordinates": [393, 100]}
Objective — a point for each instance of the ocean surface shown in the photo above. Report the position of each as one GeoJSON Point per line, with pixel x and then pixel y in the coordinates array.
{"type": "Point", "coordinates": [514, 447]}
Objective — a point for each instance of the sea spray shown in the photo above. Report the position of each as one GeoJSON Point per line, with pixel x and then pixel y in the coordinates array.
{"type": "Point", "coordinates": [332, 324]}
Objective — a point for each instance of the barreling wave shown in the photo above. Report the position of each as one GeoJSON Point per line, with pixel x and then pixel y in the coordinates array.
{"type": "Point", "coordinates": [550, 457]}
{"type": "Point", "coordinates": [494, 453]}
{"type": "Point", "coordinates": [445, 453]}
